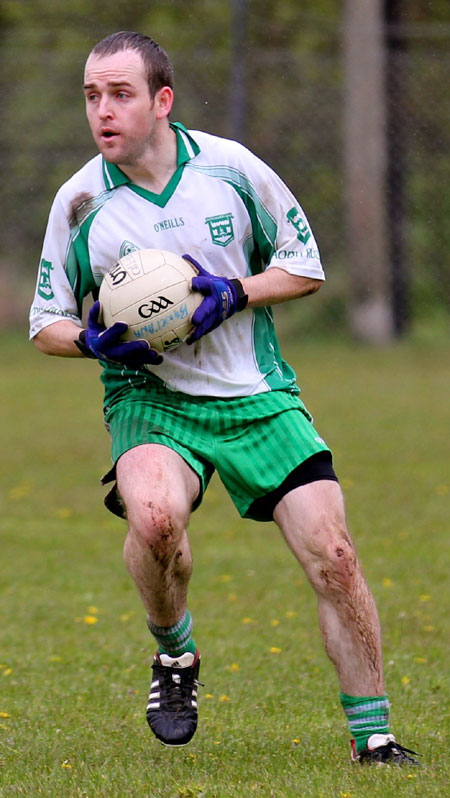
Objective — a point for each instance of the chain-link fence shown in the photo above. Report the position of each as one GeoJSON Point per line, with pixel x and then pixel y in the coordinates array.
{"type": "Point", "coordinates": [286, 104]}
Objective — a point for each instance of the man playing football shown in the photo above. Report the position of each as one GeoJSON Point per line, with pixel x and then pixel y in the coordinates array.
{"type": "Point", "coordinates": [226, 400]}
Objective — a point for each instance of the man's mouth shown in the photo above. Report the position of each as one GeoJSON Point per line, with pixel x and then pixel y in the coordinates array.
{"type": "Point", "coordinates": [108, 134]}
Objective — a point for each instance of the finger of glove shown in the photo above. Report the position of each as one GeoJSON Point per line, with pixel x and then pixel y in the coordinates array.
{"type": "Point", "coordinates": [208, 322]}
{"type": "Point", "coordinates": [111, 335]}
{"type": "Point", "coordinates": [195, 264]}
{"type": "Point", "coordinates": [135, 353]}
{"type": "Point", "coordinates": [204, 284]}
{"type": "Point", "coordinates": [122, 349]}
{"type": "Point", "coordinates": [94, 325]}
{"type": "Point", "coordinates": [202, 329]}
{"type": "Point", "coordinates": [151, 358]}
{"type": "Point", "coordinates": [206, 308]}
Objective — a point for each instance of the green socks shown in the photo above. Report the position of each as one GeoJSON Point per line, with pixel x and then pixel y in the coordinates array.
{"type": "Point", "coordinates": [174, 640]}
{"type": "Point", "coordinates": [366, 716]}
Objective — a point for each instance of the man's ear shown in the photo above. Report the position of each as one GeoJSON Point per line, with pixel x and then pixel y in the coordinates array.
{"type": "Point", "coordinates": [163, 102]}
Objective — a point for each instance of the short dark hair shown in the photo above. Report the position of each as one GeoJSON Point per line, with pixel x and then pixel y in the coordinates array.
{"type": "Point", "coordinates": [158, 66]}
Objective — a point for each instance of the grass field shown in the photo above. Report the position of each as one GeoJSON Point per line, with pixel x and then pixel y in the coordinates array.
{"type": "Point", "coordinates": [75, 653]}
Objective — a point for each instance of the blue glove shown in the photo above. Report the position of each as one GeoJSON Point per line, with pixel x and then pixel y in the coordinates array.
{"type": "Point", "coordinates": [103, 343]}
{"type": "Point", "coordinates": [223, 298]}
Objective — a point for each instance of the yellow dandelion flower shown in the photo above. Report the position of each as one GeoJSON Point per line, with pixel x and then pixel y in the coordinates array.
{"type": "Point", "coordinates": [126, 616]}
{"type": "Point", "coordinates": [411, 776]}
{"type": "Point", "coordinates": [295, 741]}
{"type": "Point", "coordinates": [90, 619]}
{"type": "Point", "coordinates": [345, 795]}
{"type": "Point", "coordinates": [387, 582]}
{"type": "Point", "coordinates": [275, 650]}
{"type": "Point", "coordinates": [93, 610]}
{"type": "Point", "coordinates": [4, 715]}
{"type": "Point", "coordinates": [246, 621]}
{"type": "Point", "coordinates": [216, 742]}
{"type": "Point", "coordinates": [54, 658]}
{"type": "Point", "coordinates": [291, 614]}
{"type": "Point", "coordinates": [66, 764]}
{"type": "Point", "coordinates": [425, 597]}
{"type": "Point", "coordinates": [429, 628]}
{"type": "Point", "coordinates": [274, 622]}
{"type": "Point", "coordinates": [208, 695]}
{"type": "Point", "coordinates": [3, 726]}
{"type": "Point", "coordinates": [224, 698]}
{"type": "Point", "coordinates": [62, 513]}
{"type": "Point", "coordinates": [234, 667]}
{"type": "Point", "coordinates": [7, 672]}
{"type": "Point", "coordinates": [421, 660]}
{"type": "Point", "coordinates": [405, 680]}
{"type": "Point", "coordinates": [19, 491]}
{"type": "Point", "coordinates": [225, 578]}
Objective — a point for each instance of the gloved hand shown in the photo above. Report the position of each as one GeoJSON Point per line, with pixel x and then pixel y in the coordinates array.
{"type": "Point", "coordinates": [103, 343]}
{"type": "Point", "coordinates": [223, 298]}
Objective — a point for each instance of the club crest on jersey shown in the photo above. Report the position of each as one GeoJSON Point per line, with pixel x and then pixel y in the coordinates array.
{"type": "Point", "coordinates": [126, 247]}
{"type": "Point", "coordinates": [221, 229]}
{"type": "Point", "coordinates": [303, 234]}
{"type": "Point", "coordinates": [44, 285]}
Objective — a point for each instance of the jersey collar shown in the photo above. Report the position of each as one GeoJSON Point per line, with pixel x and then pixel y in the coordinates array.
{"type": "Point", "coordinates": [187, 148]}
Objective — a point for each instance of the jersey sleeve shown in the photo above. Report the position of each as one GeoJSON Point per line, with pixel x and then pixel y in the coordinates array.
{"type": "Point", "coordinates": [55, 298]}
{"type": "Point", "coordinates": [280, 227]}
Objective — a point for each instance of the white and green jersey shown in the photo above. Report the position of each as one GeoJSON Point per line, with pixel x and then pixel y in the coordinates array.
{"type": "Point", "coordinates": [224, 207]}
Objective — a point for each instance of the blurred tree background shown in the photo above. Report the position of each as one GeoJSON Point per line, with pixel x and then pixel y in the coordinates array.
{"type": "Point", "coordinates": [272, 75]}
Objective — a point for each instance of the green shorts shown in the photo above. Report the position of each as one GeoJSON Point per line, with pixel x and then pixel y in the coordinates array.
{"type": "Point", "coordinates": [254, 442]}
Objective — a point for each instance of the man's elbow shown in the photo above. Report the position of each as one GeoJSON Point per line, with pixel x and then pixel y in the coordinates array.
{"type": "Point", "coordinates": [312, 286]}
{"type": "Point", "coordinates": [40, 344]}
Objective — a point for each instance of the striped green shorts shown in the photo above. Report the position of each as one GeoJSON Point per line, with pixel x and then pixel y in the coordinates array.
{"type": "Point", "coordinates": [254, 442]}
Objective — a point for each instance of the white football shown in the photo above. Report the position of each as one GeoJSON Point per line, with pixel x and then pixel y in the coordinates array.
{"type": "Point", "coordinates": [151, 291]}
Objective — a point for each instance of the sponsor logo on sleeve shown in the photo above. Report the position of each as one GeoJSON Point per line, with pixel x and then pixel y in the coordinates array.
{"type": "Point", "coordinates": [303, 232]}
{"type": "Point", "coordinates": [287, 254]}
{"type": "Point", "coordinates": [45, 284]}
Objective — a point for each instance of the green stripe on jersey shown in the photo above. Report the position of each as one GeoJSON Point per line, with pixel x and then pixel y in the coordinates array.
{"type": "Point", "coordinates": [78, 262]}
{"type": "Point", "coordinates": [264, 225]}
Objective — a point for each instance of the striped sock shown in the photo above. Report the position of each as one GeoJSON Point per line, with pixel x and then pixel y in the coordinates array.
{"type": "Point", "coordinates": [174, 640]}
{"type": "Point", "coordinates": [366, 716]}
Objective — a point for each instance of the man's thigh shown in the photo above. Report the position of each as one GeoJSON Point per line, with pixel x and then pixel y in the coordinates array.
{"type": "Point", "coordinates": [154, 475]}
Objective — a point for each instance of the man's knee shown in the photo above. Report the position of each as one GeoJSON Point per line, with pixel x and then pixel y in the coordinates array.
{"type": "Point", "coordinates": [335, 570]}
{"type": "Point", "coordinates": [156, 525]}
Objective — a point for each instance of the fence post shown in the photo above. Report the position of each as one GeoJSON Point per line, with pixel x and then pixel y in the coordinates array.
{"type": "Point", "coordinates": [238, 68]}
{"type": "Point", "coordinates": [365, 163]}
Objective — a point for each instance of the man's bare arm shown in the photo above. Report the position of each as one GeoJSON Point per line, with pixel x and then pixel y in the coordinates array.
{"type": "Point", "coordinates": [58, 339]}
{"type": "Point", "coordinates": [276, 285]}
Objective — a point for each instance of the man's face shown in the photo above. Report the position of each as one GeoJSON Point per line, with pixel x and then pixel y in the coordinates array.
{"type": "Point", "coordinates": [120, 111]}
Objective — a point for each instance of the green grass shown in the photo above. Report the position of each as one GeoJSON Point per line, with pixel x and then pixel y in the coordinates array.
{"type": "Point", "coordinates": [73, 693]}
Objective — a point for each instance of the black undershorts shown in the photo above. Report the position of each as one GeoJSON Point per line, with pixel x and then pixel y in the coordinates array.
{"type": "Point", "coordinates": [317, 467]}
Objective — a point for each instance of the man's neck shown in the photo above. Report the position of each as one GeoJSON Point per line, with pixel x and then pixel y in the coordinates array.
{"type": "Point", "coordinates": [155, 169]}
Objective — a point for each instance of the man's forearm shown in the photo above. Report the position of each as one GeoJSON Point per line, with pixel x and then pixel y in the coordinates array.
{"type": "Point", "coordinates": [276, 285]}
{"type": "Point", "coordinates": [58, 339]}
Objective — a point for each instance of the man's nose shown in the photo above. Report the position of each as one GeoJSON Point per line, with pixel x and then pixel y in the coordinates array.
{"type": "Point", "coordinates": [105, 108]}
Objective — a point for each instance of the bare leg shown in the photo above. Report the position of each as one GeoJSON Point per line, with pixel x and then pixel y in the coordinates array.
{"type": "Point", "coordinates": [158, 489]}
{"type": "Point", "coordinates": [312, 520]}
